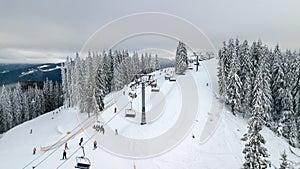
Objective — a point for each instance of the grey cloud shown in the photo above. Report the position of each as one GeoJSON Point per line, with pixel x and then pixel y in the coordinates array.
{"type": "Point", "coordinates": [64, 26]}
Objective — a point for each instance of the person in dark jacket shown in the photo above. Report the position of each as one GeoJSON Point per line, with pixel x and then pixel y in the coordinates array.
{"type": "Point", "coordinates": [64, 155]}
{"type": "Point", "coordinates": [95, 144]}
{"type": "Point", "coordinates": [81, 140]}
{"type": "Point", "coordinates": [66, 146]}
{"type": "Point", "coordinates": [34, 151]}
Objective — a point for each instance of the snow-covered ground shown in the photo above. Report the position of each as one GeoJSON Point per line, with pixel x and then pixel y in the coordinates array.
{"type": "Point", "coordinates": [169, 133]}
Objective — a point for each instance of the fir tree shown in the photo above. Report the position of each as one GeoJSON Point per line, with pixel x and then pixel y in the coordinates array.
{"type": "Point", "coordinates": [278, 84]}
{"type": "Point", "coordinates": [246, 74]}
{"type": "Point", "coordinates": [284, 163]}
{"type": "Point", "coordinates": [234, 87]}
{"type": "Point", "coordinates": [181, 61]}
{"type": "Point", "coordinates": [156, 63]}
{"type": "Point", "coordinates": [221, 70]}
{"type": "Point", "coordinates": [256, 156]}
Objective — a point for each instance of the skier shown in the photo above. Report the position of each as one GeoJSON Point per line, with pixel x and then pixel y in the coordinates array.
{"type": "Point", "coordinates": [95, 144]}
{"type": "Point", "coordinates": [115, 110]}
{"type": "Point", "coordinates": [81, 140]}
{"type": "Point", "coordinates": [66, 146]}
{"type": "Point", "coordinates": [102, 129]}
{"type": "Point", "coordinates": [34, 150]}
{"type": "Point", "coordinates": [64, 155]}
{"type": "Point", "coordinates": [30, 131]}
{"type": "Point", "coordinates": [116, 132]}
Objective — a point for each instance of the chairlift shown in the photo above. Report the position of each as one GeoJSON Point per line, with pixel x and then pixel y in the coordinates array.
{"type": "Point", "coordinates": [153, 83]}
{"type": "Point", "coordinates": [172, 79]}
{"type": "Point", "coordinates": [83, 162]}
{"type": "Point", "coordinates": [155, 89]}
{"type": "Point", "coordinates": [130, 113]}
{"type": "Point", "coordinates": [132, 94]}
{"type": "Point", "coordinates": [167, 76]}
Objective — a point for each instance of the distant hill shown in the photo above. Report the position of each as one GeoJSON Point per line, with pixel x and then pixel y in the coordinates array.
{"type": "Point", "coordinates": [12, 73]}
{"type": "Point", "coordinates": [165, 62]}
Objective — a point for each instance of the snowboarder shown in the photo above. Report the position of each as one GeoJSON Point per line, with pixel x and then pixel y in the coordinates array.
{"type": "Point", "coordinates": [115, 110]}
{"type": "Point", "coordinates": [34, 150]}
{"type": "Point", "coordinates": [66, 146]}
{"type": "Point", "coordinates": [30, 131]}
{"type": "Point", "coordinates": [193, 136]}
{"type": "Point", "coordinates": [206, 84]}
{"type": "Point", "coordinates": [81, 140]}
{"type": "Point", "coordinates": [95, 144]}
{"type": "Point", "coordinates": [64, 155]}
{"type": "Point", "coordinates": [116, 132]}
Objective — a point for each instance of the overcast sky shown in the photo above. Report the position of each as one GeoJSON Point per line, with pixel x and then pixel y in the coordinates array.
{"type": "Point", "coordinates": [34, 31]}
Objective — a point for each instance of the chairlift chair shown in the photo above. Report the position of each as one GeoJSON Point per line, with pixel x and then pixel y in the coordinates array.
{"type": "Point", "coordinates": [130, 113]}
{"type": "Point", "coordinates": [172, 79]}
{"type": "Point", "coordinates": [155, 89]}
{"type": "Point", "coordinates": [167, 76]}
{"type": "Point", "coordinates": [82, 162]}
{"type": "Point", "coordinates": [132, 94]}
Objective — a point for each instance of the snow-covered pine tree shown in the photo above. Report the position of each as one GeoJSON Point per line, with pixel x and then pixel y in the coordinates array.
{"type": "Point", "coordinates": [246, 74]}
{"type": "Point", "coordinates": [228, 58]}
{"type": "Point", "coordinates": [256, 155]}
{"type": "Point", "coordinates": [266, 89]}
{"type": "Point", "coordinates": [233, 97]}
{"type": "Point", "coordinates": [65, 86]}
{"type": "Point", "coordinates": [79, 84]}
{"type": "Point", "coordinates": [2, 120]}
{"type": "Point", "coordinates": [18, 103]}
{"type": "Point", "coordinates": [295, 81]}
{"type": "Point", "coordinates": [284, 163]}
{"type": "Point", "coordinates": [143, 64]}
{"type": "Point", "coordinates": [156, 63]}
{"type": "Point", "coordinates": [99, 87]}
{"type": "Point", "coordinates": [181, 61]}
{"type": "Point", "coordinates": [90, 102]}
{"type": "Point", "coordinates": [25, 108]}
{"type": "Point", "coordinates": [288, 119]}
{"type": "Point", "coordinates": [149, 63]}
{"type": "Point", "coordinates": [221, 70]}
{"type": "Point", "coordinates": [106, 71]}
{"type": "Point", "coordinates": [110, 76]}
{"type": "Point", "coordinates": [6, 108]}
{"type": "Point", "coordinates": [278, 83]}
{"type": "Point", "coordinates": [136, 62]}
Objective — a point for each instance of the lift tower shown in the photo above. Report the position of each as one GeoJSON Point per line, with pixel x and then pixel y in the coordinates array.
{"type": "Point", "coordinates": [143, 104]}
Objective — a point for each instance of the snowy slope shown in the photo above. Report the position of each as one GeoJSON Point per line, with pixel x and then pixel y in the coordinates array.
{"type": "Point", "coordinates": [216, 144]}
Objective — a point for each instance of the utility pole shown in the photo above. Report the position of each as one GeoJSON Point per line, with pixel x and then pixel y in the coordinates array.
{"type": "Point", "coordinates": [197, 61]}
{"type": "Point", "coordinates": [143, 105]}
